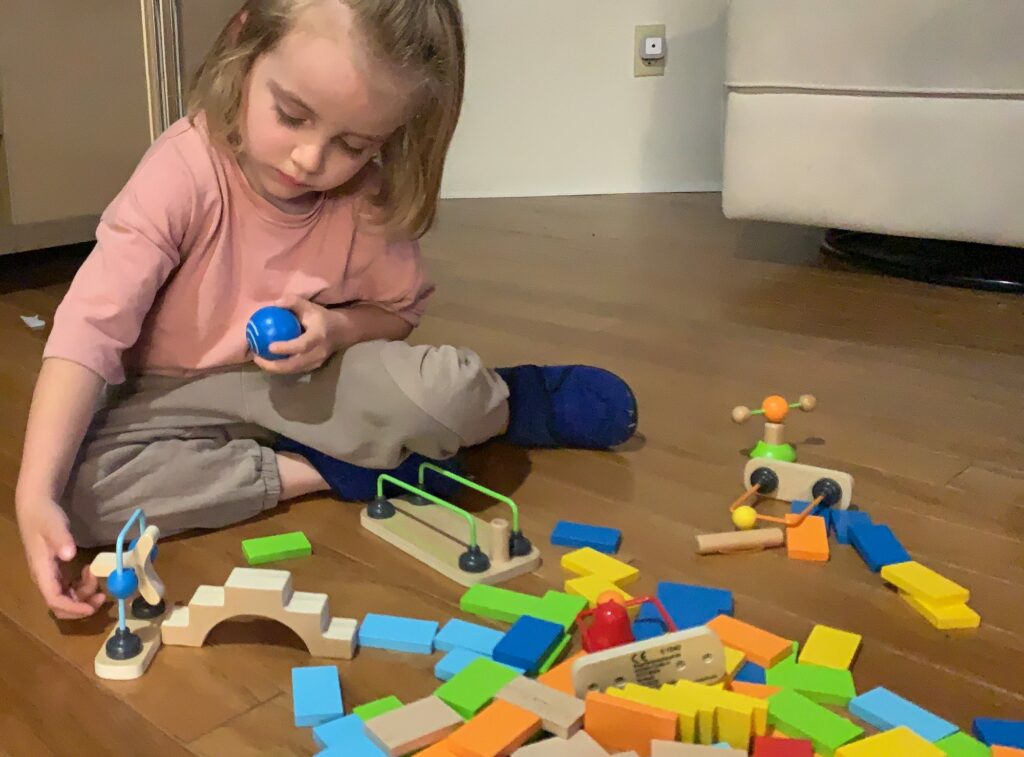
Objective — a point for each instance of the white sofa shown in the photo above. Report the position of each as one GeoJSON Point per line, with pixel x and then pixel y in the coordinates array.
{"type": "Point", "coordinates": [902, 117]}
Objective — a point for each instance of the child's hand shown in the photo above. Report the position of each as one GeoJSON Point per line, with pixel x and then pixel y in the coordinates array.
{"type": "Point", "coordinates": [48, 543]}
{"type": "Point", "coordinates": [324, 333]}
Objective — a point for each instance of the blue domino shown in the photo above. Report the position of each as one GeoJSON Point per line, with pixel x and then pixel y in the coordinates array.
{"type": "Point", "coordinates": [458, 634]}
{"type": "Point", "coordinates": [750, 673]}
{"type": "Point", "coordinates": [877, 546]}
{"type": "Point", "coordinates": [527, 643]}
{"type": "Point", "coordinates": [449, 665]}
{"type": "Point", "coordinates": [361, 747]}
{"type": "Point", "coordinates": [452, 663]}
{"type": "Point", "coordinates": [346, 736]}
{"type": "Point", "coordinates": [569, 534]}
{"type": "Point", "coordinates": [397, 634]}
{"type": "Point", "coordinates": [648, 623]}
{"type": "Point", "coordinates": [841, 521]}
{"type": "Point", "coordinates": [798, 505]}
{"type": "Point", "coordinates": [885, 710]}
{"type": "Point", "coordinates": [995, 732]}
{"type": "Point", "coordinates": [689, 605]}
{"type": "Point", "coordinates": [316, 695]}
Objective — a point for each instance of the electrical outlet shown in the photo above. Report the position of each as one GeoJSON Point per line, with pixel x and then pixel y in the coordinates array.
{"type": "Point", "coordinates": [647, 59]}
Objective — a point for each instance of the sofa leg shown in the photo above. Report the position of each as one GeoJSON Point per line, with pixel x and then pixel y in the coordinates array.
{"type": "Point", "coordinates": [962, 264]}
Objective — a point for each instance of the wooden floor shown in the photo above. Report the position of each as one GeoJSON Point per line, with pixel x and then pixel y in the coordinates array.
{"type": "Point", "coordinates": [921, 398]}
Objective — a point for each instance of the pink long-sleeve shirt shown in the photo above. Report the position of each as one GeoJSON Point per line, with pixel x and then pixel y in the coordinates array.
{"type": "Point", "coordinates": [187, 251]}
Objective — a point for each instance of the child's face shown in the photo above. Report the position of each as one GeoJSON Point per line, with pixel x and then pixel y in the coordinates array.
{"type": "Point", "coordinates": [311, 115]}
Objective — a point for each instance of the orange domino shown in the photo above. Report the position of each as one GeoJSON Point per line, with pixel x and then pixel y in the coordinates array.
{"type": "Point", "coordinates": [440, 749]}
{"type": "Point", "coordinates": [560, 676]}
{"type": "Point", "coordinates": [1007, 751]}
{"type": "Point", "coordinates": [761, 647]}
{"type": "Point", "coordinates": [808, 540]}
{"type": "Point", "coordinates": [500, 728]}
{"type": "Point", "coordinates": [756, 690]}
{"type": "Point", "coordinates": [619, 725]}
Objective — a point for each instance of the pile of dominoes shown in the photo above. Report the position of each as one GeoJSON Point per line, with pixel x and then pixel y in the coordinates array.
{"type": "Point", "coordinates": [509, 692]}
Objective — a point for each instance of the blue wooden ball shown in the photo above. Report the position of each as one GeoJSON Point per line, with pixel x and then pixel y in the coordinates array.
{"type": "Point", "coordinates": [268, 325]}
{"type": "Point", "coordinates": [122, 584]}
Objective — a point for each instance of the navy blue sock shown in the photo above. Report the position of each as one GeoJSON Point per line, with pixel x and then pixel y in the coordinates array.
{"type": "Point", "coordinates": [568, 406]}
{"type": "Point", "coordinates": [356, 483]}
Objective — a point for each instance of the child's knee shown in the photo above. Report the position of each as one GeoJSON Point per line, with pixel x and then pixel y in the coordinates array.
{"type": "Point", "coordinates": [452, 386]}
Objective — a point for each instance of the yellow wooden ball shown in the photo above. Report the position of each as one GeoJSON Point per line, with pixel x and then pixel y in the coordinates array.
{"type": "Point", "coordinates": [744, 517]}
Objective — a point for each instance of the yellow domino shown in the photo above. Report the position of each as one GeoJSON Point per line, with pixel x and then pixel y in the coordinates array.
{"type": "Point", "coordinates": [590, 562]}
{"type": "Point", "coordinates": [830, 647]}
{"type": "Point", "coordinates": [592, 587]}
{"type": "Point", "coordinates": [665, 701]}
{"type": "Point", "coordinates": [944, 617]}
{"type": "Point", "coordinates": [924, 583]}
{"type": "Point", "coordinates": [734, 658]}
{"type": "Point", "coordinates": [898, 741]}
{"type": "Point", "coordinates": [733, 717]}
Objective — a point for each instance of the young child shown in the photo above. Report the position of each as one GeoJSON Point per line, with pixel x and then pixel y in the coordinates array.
{"type": "Point", "coordinates": [309, 164]}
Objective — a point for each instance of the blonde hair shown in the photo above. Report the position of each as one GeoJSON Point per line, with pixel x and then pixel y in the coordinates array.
{"type": "Point", "coordinates": [418, 38]}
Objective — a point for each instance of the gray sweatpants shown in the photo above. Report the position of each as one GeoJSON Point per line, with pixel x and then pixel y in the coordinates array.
{"type": "Point", "coordinates": [194, 452]}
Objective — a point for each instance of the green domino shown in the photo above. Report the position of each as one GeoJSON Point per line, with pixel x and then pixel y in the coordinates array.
{"type": "Point", "coordinates": [789, 659]}
{"type": "Point", "coordinates": [469, 690]}
{"type": "Point", "coordinates": [962, 745]}
{"type": "Point", "coordinates": [555, 655]}
{"type": "Point", "coordinates": [377, 707]}
{"type": "Point", "coordinates": [816, 682]}
{"type": "Point", "coordinates": [562, 608]}
{"type": "Point", "coordinates": [797, 716]}
{"type": "Point", "coordinates": [280, 547]}
{"type": "Point", "coordinates": [500, 604]}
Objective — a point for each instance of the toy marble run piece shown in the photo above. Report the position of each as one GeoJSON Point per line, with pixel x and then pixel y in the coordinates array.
{"type": "Point", "coordinates": [450, 540]}
{"type": "Point", "coordinates": [610, 624]}
{"type": "Point", "coordinates": [130, 647]}
{"type": "Point", "coordinates": [789, 481]}
{"type": "Point", "coordinates": [774, 409]}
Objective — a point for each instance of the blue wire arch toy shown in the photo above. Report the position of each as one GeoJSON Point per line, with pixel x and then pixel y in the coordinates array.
{"type": "Point", "coordinates": [131, 646]}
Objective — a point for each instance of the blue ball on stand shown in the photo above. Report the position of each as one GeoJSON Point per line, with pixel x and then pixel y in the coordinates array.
{"type": "Point", "coordinates": [268, 325]}
{"type": "Point", "coordinates": [122, 583]}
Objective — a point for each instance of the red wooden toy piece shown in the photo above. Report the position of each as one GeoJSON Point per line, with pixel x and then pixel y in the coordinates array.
{"type": "Point", "coordinates": [609, 626]}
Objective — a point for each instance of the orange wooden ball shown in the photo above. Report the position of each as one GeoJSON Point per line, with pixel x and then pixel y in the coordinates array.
{"type": "Point", "coordinates": [775, 408]}
{"type": "Point", "coordinates": [610, 596]}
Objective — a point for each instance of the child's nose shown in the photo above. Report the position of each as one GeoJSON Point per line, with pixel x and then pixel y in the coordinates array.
{"type": "Point", "coordinates": [309, 158]}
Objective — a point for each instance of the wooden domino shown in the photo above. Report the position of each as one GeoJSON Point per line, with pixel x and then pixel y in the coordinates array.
{"type": "Point", "coordinates": [580, 745]}
{"type": "Point", "coordinates": [830, 647]}
{"type": "Point", "coordinates": [808, 540]}
{"type": "Point", "coordinates": [559, 713]}
{"type": "Point", "coordinates": [900, 740]}
{"type": "Point", "coordinates": [500, 728]}
{"type": "Point", "coordinates": [761, 647]}
{"type": "Point", "coordinates": [415, 726]}
{"type": "Point", "coordinates": [618, 724]}
{"type": "Point", "coordinates": [922, 582]}
{"type": "Point", "coordinates": [590, 562]}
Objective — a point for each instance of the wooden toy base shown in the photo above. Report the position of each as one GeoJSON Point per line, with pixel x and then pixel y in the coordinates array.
{"type": "Point", "coordinates": [694, 654]}
{"type": "Point", "coordinates": [797, 479]}
{"type": "Point", "coordinates": [126, 670]}
{"type": "Point", "coordinates": [428, 533]}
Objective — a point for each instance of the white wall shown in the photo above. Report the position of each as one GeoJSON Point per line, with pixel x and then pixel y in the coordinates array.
{"type": "Point", "coordinates": [552, 106]}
